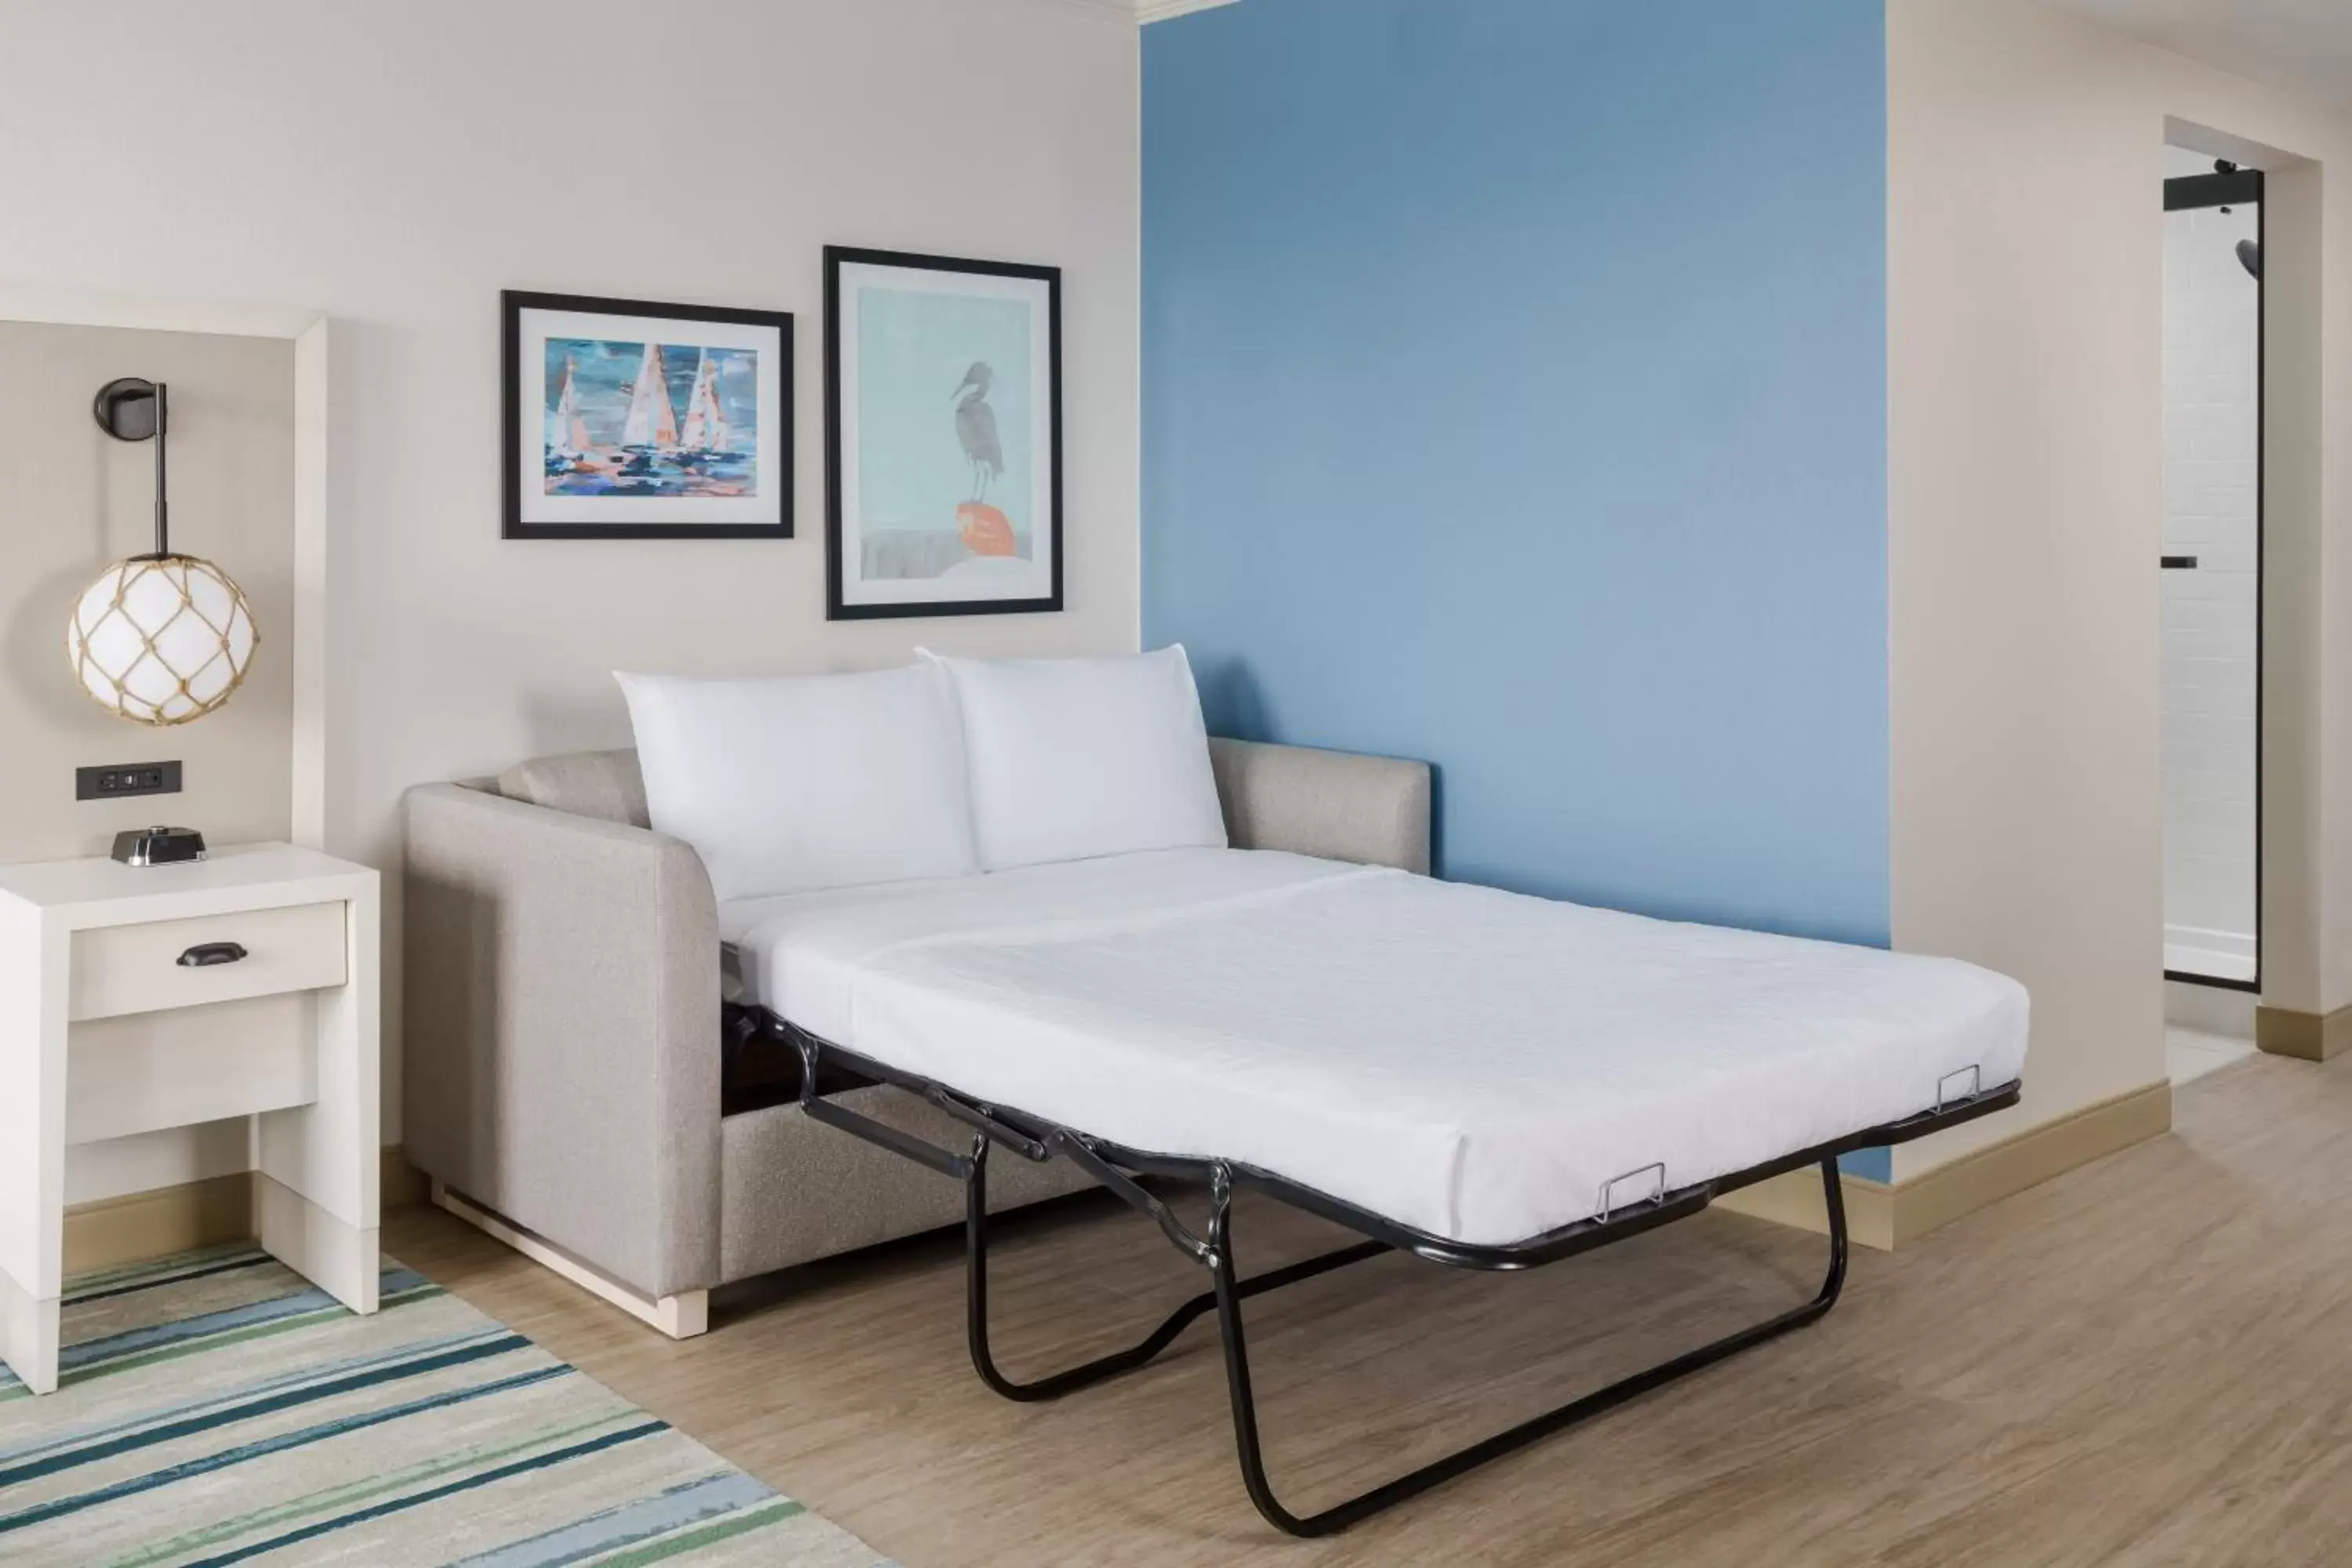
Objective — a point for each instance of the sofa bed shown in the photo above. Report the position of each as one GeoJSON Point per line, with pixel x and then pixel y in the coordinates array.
{"type": "Point", "coordinates": [998, 906]}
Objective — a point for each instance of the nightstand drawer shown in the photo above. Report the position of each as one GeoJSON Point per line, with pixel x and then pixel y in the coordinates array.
{"type": "Point", "coordinates": [137, 968]}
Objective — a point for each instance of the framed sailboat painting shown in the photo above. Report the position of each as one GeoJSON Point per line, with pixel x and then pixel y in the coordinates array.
{"type": "Point", "coordinates": [943, 404]}
{"type": "Point", "coordinates": [626, 419]}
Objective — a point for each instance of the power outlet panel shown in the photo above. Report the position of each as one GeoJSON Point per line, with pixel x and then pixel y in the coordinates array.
{"type": "Point", "coordinates": [115, 781]}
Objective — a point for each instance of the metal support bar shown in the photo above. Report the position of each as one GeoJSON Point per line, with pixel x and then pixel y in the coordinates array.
{"type": "Point", "coordinates": [818, 1108]}
{"type": "Point", "coordinates": [1339, 1516]}
{"type": "Point", "coordinates": [983, 1120]}
{"type": "Point", "coordinates": [984, 1358]}
{"type": "Point", "coordinates": [1134, 1194]}
{"type": "Point", "coordinates": [940, 1160]}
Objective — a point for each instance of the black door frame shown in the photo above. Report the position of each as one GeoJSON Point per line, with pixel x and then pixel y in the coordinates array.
{"type": "Point", "coordinates": [2243, 187]}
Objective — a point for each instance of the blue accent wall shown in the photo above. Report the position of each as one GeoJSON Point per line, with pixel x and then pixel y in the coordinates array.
{"type": "Point", "coordinates": [1513, 396]}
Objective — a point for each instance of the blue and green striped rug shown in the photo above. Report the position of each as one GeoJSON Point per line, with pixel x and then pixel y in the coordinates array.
{"type": "Point", "coordinates": [217, 1408]}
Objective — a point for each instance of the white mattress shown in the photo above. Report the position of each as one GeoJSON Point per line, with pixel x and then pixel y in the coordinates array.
{"type": "Point", "coordinates": [1477, 1064]}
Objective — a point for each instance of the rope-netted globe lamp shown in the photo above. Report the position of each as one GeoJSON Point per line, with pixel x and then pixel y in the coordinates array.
{"type": "Point", "coordinates": [161, 638]}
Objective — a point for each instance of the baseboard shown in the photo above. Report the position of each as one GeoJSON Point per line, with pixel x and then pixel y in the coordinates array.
{"type": "Point", "coordinates": [2307, 1037]}
{"type": "Point", "coordinates": [2029, 1158]}
{"type": "Point", "coordinates": [138, 1226]}
{"type": "Point", "coordinates": [1886, 1216]}
{"type": "Point", "coordinates": [1794, 1198]}
{"type": "Point", "coordinates": [403, 1183]}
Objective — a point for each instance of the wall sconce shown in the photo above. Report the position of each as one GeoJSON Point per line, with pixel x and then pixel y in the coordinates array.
{"type": "Point", "coordinates": [161, 638]}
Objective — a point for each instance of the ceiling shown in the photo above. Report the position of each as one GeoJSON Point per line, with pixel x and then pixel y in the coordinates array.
{"type": "Point", "coordinates": [1160, 10]}
{"type": "Point", "coordinates": [2303, 45]}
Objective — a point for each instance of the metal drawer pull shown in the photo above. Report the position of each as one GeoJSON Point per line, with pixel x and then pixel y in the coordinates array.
{"type": "Point", "coordinates": [205, 954]}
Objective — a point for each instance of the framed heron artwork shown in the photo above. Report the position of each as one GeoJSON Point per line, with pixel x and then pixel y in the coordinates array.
{"type": "Point", "coordinates": [943, 404]}
{"type": "Point", "coordinates": [626, 419]}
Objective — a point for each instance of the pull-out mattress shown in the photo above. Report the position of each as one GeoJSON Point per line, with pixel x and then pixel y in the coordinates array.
{"type": "Point", "coordinates": [1476, 1064]}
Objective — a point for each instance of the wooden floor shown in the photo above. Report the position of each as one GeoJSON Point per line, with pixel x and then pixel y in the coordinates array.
{"type": "Point", "coordinates": [2147, 1361]}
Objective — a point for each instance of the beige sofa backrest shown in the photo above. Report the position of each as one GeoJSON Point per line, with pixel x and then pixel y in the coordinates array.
{"type": "Point", "coordinates": [1333, 804]}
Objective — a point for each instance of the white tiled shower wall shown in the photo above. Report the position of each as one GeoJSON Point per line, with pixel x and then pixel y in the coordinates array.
{"type": "Point", "coordinates": [2212, 430]}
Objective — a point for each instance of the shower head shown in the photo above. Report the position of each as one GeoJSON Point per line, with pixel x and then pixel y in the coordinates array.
{"type": "Point", "coordinates": [2249, 256]}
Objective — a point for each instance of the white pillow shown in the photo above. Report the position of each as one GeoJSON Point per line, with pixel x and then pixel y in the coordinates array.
{"type": "Point", "coordinates": [791, 783]}
{"type": "Point", "coordinates": [1072, 758]}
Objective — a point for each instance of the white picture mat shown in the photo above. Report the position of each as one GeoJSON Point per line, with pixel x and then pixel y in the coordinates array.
{"type": "Point", "coordinates": [534, 327]}
{"type": "Point", "coordinates": [1037, 582]}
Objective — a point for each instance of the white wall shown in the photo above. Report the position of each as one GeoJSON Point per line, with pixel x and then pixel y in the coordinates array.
{"type": "Point", "coordinates": [2208, 621]}
{"type": "Point", "coordinates": [2025, 283]}
{"type": "Point", "coordinates": [396, 166]}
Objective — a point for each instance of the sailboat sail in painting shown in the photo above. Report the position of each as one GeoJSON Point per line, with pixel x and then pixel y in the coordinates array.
{"type": "Point", "coordinates": [613, 427]}
{"type": "Point", "coordinates": [652, 422]}
{"type": "Point", "coordinates": [567, 432]}
{"type": "Point", "coordinates": [706, 421]}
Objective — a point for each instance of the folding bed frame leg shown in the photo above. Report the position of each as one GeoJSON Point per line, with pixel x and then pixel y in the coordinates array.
{"type": "Point", "coordinates": [983, 1359]}
{"type": "Point", "coordinates": [1230, 1295]}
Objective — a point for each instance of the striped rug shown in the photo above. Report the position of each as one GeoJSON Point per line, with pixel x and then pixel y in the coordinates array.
{"type": "Point", "coordinates": [217, 1408]}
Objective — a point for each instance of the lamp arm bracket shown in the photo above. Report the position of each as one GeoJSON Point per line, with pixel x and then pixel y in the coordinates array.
{"type": "Point", "coordinates": [130, 408]}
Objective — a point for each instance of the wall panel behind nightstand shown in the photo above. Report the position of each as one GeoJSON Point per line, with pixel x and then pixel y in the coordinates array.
{"type": "Point", "coordinates": [72, 500]}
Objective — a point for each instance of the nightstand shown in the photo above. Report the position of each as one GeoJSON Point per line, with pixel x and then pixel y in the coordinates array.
{"type": "Point", "coordinates": [139, 998]}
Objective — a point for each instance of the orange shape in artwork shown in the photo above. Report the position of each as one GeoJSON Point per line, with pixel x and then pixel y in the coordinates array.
{"type": "Point", "coordinates": [986, 531]}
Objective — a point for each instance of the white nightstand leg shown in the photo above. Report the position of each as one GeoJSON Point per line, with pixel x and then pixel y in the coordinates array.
{"type": "Point", "coordinates": [33, 960]}
{"type": "Point", "coordinates": [338, 1258]}
{"type": "Point", "coordinates": [321, 1169]}
{"type": "Point", "coordinates": [29, 1336]}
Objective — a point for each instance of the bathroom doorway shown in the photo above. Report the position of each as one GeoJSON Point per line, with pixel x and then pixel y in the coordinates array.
{"type": "Point", "coordinates": [2211, 616]}
{"type": "Point", "coordinates": [2211, 577]}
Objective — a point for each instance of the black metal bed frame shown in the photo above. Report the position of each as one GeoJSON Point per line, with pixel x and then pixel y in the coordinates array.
{"type": "Point", "coordinates": [1117, 1168]}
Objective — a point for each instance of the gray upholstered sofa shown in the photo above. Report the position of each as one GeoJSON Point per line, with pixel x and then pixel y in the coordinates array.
{"type": "Point", "coordinates": [564, 1020]}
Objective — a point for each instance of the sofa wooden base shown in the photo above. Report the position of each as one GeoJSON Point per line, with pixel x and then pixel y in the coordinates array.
{"type": "Point", "coordinates": [681, 1317]}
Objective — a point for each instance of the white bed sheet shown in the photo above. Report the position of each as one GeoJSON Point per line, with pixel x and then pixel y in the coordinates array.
{"type": "Point", "coordinates": [1476, 1064]}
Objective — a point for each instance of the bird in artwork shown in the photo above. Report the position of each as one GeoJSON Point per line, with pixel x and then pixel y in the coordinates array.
{"type": "Point", "coordinates": [975, 427]}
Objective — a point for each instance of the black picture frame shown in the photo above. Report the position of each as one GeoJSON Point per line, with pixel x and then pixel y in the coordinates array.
{"type": "Point", "coordinates": [835, 608]}
{"type": "Point", "coordinates": [514, 302]}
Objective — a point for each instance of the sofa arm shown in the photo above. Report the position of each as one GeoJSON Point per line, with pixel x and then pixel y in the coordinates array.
{"type": "Point", "coordinates": [1337, 804]}
{"type": "Point", "coordinates": [562, 1006]}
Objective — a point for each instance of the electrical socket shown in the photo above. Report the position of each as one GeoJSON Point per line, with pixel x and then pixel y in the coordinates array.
{"type": "Point", "coordinates": [115, 780]}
